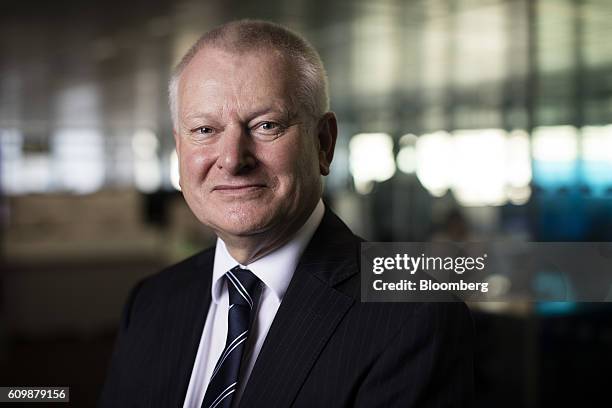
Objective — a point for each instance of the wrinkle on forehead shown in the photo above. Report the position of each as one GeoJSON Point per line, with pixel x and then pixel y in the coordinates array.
{"type": "Point", "coordinates": [236, 84]}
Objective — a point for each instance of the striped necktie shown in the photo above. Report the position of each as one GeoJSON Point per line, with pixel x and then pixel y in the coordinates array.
{"type": "Point", "coordinates": [242, 286]}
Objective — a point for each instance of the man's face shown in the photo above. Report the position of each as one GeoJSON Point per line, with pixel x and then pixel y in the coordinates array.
{"type": "Point", "coordinates": [250, 159]}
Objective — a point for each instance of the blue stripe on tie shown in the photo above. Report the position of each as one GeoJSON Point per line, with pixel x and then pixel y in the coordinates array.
{"type": "Point", "coordinates": [223, 395]}
{"type": "Point", "coordinates": [226, 353]}
{"type": "Point", "coordinates": [240, 288]}
{"type": "Point", "coordinates": [227, 347]}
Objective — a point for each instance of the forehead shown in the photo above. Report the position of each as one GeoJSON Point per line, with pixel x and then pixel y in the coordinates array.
{"type": "Point", "coordinates": [218, 76]}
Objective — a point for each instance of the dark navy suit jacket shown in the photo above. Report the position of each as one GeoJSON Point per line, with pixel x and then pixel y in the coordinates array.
{"type": "Point", "coordinates": [324, 349]}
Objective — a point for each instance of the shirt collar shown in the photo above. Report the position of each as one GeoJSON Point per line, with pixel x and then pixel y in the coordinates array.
{"type": "Point", "coordinates": [275, 269]}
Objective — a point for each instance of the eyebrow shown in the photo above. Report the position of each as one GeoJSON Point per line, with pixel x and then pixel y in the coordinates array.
{"type": "Point", "coordinates": [250, 115]}
{"type": "Point", "coordinates": [198, 115]}
{"type": "Point", "coordinates": [287, 114]}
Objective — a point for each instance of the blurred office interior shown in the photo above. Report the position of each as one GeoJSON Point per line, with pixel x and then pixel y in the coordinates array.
{"type": "Point", "coordinates": [459, 120]}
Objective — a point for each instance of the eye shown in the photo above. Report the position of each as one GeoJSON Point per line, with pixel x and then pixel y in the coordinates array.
{"type": "Point", "coordinates": [202, 134]}
{"type": "Point", "coordinates": [269, 126]}
{"type": "Point", "coordinates": [203, 130]}
{"type": "Point", "coordinates": [267, 130]}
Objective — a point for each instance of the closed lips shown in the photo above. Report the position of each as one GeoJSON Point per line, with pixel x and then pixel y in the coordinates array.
{"type": "Point", "coordinates": [237, 187]}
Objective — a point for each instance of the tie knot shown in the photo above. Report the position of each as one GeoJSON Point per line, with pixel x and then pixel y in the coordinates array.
{"type": "Point", "coordinates": [241, 284]}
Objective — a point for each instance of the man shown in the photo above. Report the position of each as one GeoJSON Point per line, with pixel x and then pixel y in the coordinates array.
{"type": "Point", "coordinates": [271, 316]}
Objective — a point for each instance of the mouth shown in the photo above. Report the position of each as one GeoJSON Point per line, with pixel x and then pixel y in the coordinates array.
{"type": "Point", "coordinates": [238, 188]}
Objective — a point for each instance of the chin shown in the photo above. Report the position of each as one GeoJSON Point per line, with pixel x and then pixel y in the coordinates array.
{"type": "Point", "coordinates": [242, 223]}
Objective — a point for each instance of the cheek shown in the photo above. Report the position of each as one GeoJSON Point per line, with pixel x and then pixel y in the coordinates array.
{"type": "Point", "coordinates": [280, 160]}
{"type": "Point", "coordinates": [296, 165]}
{"type": "Point", "coordinates": [194, 164]}
{"type": "Point", "coordinates": [307, 158]}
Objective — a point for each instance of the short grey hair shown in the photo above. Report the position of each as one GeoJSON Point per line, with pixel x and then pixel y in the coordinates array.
{"type": "Point", "coordinates": [249, 35]}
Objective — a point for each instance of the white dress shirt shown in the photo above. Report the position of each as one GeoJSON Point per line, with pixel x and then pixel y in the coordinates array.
{"type": "Point", "coordinates": [275, 270]}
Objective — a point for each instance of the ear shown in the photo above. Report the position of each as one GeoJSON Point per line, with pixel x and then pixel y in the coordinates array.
{"type": "Point", "coordinates": [177, 143]}
{"type": "Point", "coordinates": [177, 140]}
{"type": "Point", "coordinates": [327, 134]}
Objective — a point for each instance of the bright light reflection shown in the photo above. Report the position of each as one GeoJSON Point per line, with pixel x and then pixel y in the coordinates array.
{"type": "Point", "coordinates": [555, 143]}
{"type": "Point", "coordinates": [406, 157]}
{"type": "Point", "coordinates": [147, 169]}
{"type": "Point", "coordinates": [518, 169]}
{"type": "Point", "coordinates": [597, 154]}
{"type": "Point", "coordinates": [433, 155]}
{"type": "Point", "coordinates": [371, 159]}
{"type": "Point", "coordinates": [597, 143]}
{"type": "Point", "coordinates": [11, 161]}
{"type": "Point", "coordinates": [479, 172]}
{"type": "Point", "coordinates": [79, 159]}
{"type": "Point", "coordinates": [36, 174]}
{"type": "Point", "coordinates": [519, 195]}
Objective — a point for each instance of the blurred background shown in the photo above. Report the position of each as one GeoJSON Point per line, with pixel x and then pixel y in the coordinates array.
{"type": "Point", "coordinates": [459, 120]}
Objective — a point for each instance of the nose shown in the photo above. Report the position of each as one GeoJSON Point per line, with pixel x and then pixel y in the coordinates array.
{"type": "Point", "coordinates": [235, 151]}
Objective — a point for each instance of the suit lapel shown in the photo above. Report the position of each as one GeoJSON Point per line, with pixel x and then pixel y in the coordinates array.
{"type": "Point", "coordinates": [184, 324]}
{"type": "Point", "coordinates": [309, 313]}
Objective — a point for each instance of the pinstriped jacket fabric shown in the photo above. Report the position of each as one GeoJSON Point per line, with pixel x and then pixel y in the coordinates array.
{"type": "Point", "coordinates": [324, 349]}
